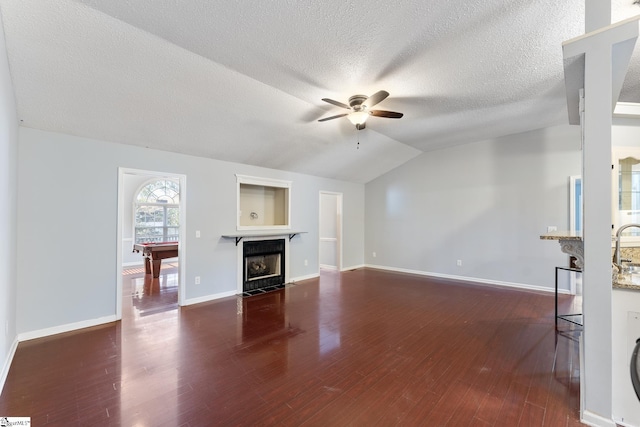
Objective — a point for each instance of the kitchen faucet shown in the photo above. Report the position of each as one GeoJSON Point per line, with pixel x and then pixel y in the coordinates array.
{"type": "Point", "coordinates": [616, 256]}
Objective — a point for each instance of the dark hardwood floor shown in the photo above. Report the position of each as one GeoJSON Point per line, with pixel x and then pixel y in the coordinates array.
{"type": "Point", "coordinates": [360, 348]}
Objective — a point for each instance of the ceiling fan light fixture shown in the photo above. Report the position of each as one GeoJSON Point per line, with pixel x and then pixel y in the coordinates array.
{"type": "Point", "coordinates": [358, 117]}
{"type": "Point", "coordinates": [360, 108]}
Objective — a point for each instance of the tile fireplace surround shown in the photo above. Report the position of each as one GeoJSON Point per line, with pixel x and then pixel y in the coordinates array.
{"type": "Point", "coordinates": [251, 236]}
{"type": "Point", "coordinates": [240, 257]}
{"type": "Point", "coordinates": [263, 265]}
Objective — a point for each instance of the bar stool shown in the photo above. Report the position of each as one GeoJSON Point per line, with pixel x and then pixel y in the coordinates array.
{"type": "Point", "coordinates": [570, 316]}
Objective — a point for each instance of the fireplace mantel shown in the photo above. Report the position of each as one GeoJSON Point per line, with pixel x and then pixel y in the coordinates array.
{"type": "Point", "coordinates": [270, 233]}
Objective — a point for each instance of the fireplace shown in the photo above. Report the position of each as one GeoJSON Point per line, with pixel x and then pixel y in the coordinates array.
{"type": "Point", "coordinates": [263, 265]}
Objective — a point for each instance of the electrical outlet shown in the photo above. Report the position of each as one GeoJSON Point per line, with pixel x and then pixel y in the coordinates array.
{"type": "Point", "coordinates": [306, 262]}
{"type": "Point", "coordinates": [197, 280]}
{"type": "Point", "coordinates": [459, 263]}
{"type": "Point", "coordinates": [197, 234]}
{"type": "Point", "coordinates": [551, 228]}
{"type": "Point", "coordinates": [374, 254]}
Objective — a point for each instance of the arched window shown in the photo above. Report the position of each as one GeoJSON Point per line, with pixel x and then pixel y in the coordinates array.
{"type": "Point", "coordinates": [157, 212]}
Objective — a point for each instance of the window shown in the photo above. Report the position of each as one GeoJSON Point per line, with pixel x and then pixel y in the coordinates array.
{"type": "Point", "coordinates": [575, 203]}
{"type": "Point", "coordinates": [626, 191]}
{"type": "Point", "coordinates": [157, 212]}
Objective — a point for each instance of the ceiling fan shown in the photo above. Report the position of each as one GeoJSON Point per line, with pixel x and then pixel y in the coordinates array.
{"type": "Point", "coordinates": [360, 106]}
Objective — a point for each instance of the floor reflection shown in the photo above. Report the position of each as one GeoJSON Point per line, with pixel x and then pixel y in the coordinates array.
{"type": "Point", "coordinates": [264, 328]}
{"type": "Point", "coordinates": [382, 348]}
{"type": "Point", "coordinates": [143, 295]}
{"type": "Point", "coordinates": [150, 351]}
{"type": "Point", "coordinates": [566, 363]}
{"type": "Point", "coordinates": [329, 311]}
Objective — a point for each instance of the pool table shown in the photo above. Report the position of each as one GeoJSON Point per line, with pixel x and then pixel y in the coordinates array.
{"type": "Point", "coordinates": [154, 253]}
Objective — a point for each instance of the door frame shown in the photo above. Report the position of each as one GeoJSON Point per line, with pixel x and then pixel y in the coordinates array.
{"type": "Point", "coordinates": [122, 204]}
{"type": "Point", "coordinates": [338, 218]}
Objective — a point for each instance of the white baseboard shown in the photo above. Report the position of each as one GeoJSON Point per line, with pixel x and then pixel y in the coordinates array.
{"type": "Point", "coordinates": [595, 420]}
{"type": "Point", "coordinates": [307, 277]}
{"type": "Point", "coordinates": [132, 264]}
{"type": "Point", "coordinates": [26, 336]}
{"type": "Point", "coordinates": [469, 279]}
{"type": "Point", "coordinates": [7, 364]}
{"type": "Point", "coordinates": [329, 267]}
{"type": "Point", "coordinates": [226, 294]}
{"type": "Point", "coordinates": [619, 423]}
{"type": "Point", "coordinates": [353, 267]}
{"type": "Point", "coordinates": [208, 298]}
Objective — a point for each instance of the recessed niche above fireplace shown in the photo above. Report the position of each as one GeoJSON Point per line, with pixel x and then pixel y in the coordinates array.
{"type": "Point", "coordinates": [263, 204]}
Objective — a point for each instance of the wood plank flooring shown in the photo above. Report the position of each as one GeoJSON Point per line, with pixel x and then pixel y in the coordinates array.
{"type": "Point", "coordinates": [359, 348]}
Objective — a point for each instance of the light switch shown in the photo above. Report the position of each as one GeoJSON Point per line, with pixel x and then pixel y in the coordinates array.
{"type": "Point", "coordinates": [197, 234]}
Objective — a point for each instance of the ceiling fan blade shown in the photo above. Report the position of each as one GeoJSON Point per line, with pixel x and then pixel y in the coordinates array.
{"type": "Point", "coordinates": [336, 103]}
{"type": "Point", "coordinates": [387, 114]}
{"type": "Point", "coordinates": [375, 98]}
{"type": "Point", "coordinates": [333, 117]}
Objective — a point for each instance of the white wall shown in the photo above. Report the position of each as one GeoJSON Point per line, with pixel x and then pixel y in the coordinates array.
{"type": "Point", "coordinates": [68, 211]}
{"type": "Point", "coordinates": [485, 203]}
{"type": "Point", "coordinates": [625, 132]}
{"type": "Point", "coordinates": [626, 407]}
{"type": "Point", "coordinates": [8, 217]}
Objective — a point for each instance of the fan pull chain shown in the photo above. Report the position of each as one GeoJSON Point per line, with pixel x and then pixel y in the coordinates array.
{"type": "Point", "coordinates": [358, 135]}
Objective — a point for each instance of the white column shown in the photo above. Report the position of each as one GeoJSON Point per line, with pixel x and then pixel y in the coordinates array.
{"type": "Point", "coordinates": [606, 55]}
{"type": "Point", "coordinates": [597, 14]}
{"type": "Point", "coordinates": [596, 191]}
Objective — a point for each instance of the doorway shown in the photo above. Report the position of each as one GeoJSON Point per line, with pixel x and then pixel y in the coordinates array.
{"type": "Point", "coordinates": [330, 231]}
{"type": "Point", "coordinates": [130, 182]}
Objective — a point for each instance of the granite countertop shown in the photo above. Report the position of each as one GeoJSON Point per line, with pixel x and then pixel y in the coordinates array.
{"type": "Point", "coordinates": [627, 281]}
{"type": "Point", "coordinates": [562, 235]}
{"type": "Point", "coordinates": [630, 281]}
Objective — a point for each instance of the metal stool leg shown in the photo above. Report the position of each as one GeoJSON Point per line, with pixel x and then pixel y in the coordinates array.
{"type": "Point", "coordinates": [556, 313]}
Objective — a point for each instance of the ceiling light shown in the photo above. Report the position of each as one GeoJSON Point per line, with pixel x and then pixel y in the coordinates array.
{"type": "Point", "coordinates": [358, 117]}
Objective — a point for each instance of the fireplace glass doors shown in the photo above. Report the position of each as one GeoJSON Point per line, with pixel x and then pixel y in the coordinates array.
{"type": "Point", "coordinates": [263, 264]}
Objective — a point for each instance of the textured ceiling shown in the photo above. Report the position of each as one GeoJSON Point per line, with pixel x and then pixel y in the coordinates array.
{"type": "Point", "coordinates": [243, 80]}
{"type": "Point", "coordinates": [621, 10]}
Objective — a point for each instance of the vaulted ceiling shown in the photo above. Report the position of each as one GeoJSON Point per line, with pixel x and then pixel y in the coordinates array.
{"type": "Point", "coordinates": [243, 80]}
